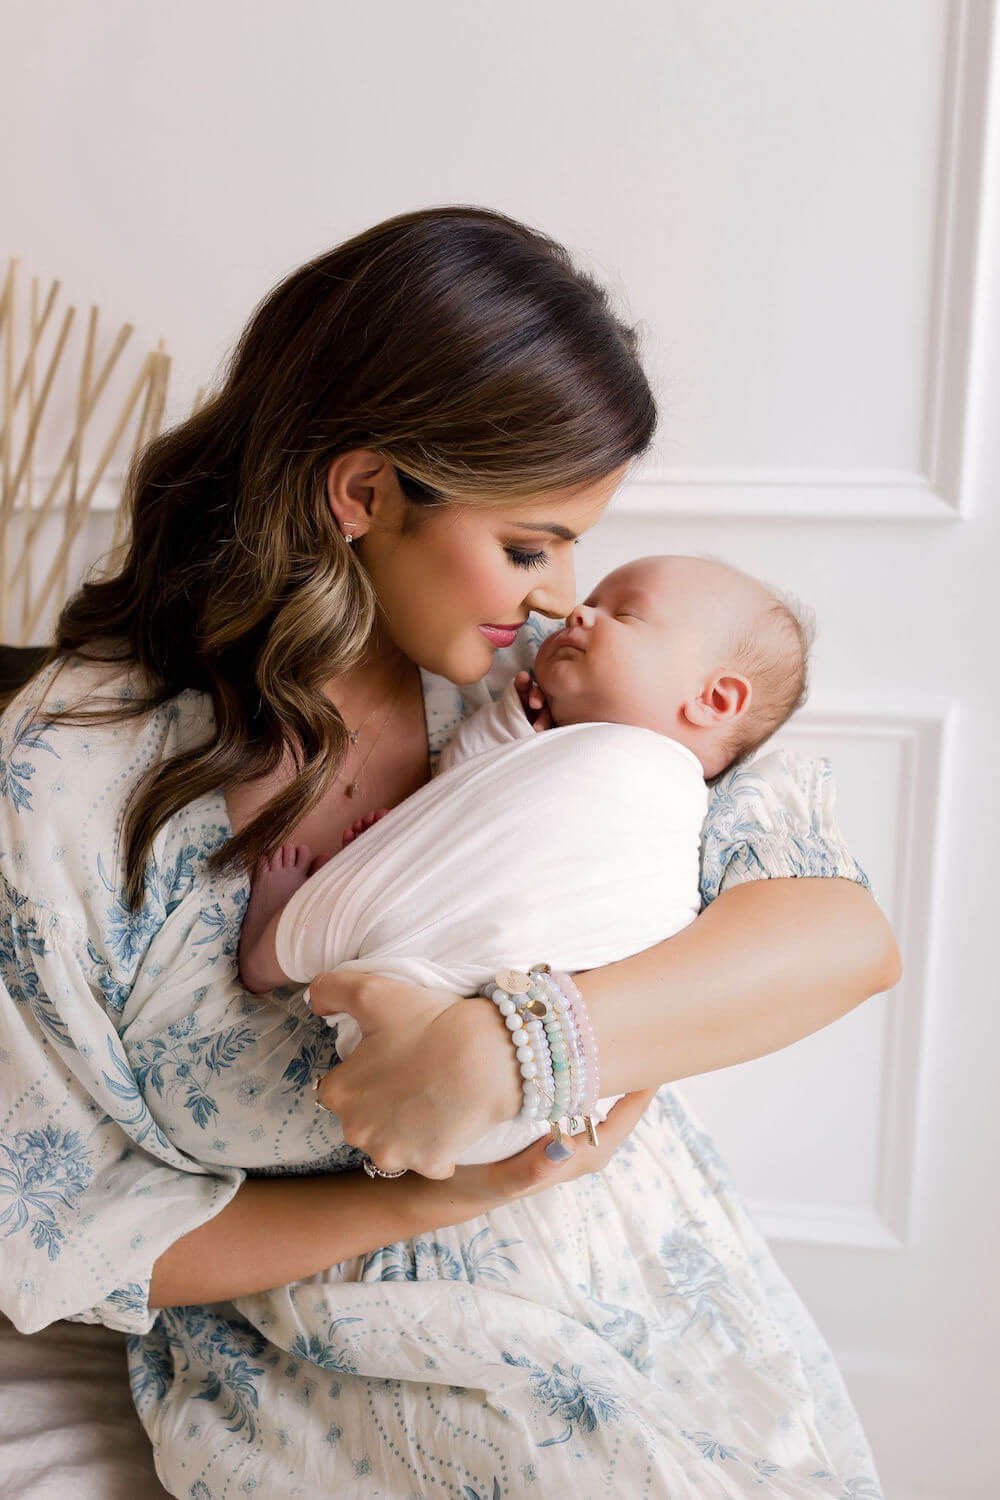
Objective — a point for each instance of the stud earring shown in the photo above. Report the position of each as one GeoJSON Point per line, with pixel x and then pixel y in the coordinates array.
{"type": "Point", "coordinates": [348, 528]}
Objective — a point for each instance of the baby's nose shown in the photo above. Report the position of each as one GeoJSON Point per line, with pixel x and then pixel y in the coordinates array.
{"type": "Point", "coordinates": [581, 614]}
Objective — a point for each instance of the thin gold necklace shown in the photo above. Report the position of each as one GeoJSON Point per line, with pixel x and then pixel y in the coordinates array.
{"type": "Point", "coordinates": [351, 788]}
{"type": "Point", "coordinates": [353, 733]}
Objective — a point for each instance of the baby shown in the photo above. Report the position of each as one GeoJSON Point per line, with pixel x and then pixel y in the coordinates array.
{"type": "Point", "coordinates": [564, 828]}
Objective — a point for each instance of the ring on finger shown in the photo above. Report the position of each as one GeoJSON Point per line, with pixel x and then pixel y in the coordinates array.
{"type": "Point", "coordinates": [316, 1099]}
{"type": "Point", "coordinates": [374, 1171]}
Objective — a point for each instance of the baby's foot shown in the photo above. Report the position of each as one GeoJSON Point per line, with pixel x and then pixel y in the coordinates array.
{"type": "Point", "coordinates": [360, 824]}
{"type": "Point", "coordinates": [275, 881]}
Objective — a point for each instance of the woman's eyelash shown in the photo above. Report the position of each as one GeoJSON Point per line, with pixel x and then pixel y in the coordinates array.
{"type": "Point", "coordinates": [527, 559]}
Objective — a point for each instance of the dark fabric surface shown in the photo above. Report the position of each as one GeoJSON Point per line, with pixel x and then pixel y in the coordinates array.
{"type": "Point", "coordinates": [17, 664]}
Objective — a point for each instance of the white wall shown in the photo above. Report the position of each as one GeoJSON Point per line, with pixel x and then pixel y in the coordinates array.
{"type": "Point", "coordinates": [789, 198]}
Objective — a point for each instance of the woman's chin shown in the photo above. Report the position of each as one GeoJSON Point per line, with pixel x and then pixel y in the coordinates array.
{"type": "Point", "coordinates": [468, 666]}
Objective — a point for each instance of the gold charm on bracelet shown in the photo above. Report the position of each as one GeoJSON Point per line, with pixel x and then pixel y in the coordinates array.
{"type": "Point", "coordinates": [513, 981]}
{"type": "Point", "coordinates": [591, 1130]}
{"type": "Point", "coordinates": [556, 1129]}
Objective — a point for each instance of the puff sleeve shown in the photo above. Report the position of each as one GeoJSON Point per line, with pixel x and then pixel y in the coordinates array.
{"type": "Point", "coordinates": [773, 819]}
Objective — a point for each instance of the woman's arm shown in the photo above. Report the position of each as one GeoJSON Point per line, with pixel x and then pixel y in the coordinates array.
{"type": "Point", "coordinates": [767, 963]}
{"type": "Point", "coordinates": [277, 1230]}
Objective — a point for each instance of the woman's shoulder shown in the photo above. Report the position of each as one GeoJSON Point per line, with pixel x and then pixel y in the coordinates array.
{"type": "Point", "coordinates": [774, 817]}
{"type": "Point", "coordinates": [65, 785]}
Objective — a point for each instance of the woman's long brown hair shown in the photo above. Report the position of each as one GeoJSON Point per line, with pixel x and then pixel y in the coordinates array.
{"type": "Point", "coordinates": [463, 347]}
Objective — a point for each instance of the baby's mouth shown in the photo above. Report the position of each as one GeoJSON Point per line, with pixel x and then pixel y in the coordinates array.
{"type": "Point", "coordinates": [564, 640]}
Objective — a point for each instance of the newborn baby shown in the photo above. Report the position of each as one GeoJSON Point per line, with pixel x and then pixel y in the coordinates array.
{"type": "Point", "coordinates": [568, 832]}
{"type": "Point", "coordinates": [683, 646]}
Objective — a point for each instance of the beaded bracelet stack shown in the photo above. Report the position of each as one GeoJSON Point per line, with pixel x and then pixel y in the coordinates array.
{"type": "Point", "coordinates": [555, 1046]}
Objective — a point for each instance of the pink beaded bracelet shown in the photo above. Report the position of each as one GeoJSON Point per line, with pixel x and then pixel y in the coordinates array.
{"type": "Point", "coordinates": [587, 1038]}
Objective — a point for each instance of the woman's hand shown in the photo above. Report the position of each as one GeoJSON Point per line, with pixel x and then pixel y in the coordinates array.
{"type": "Point", "coordinates": [531, 1171]}
{"type": "Point", "coordinates": [432, 1074]}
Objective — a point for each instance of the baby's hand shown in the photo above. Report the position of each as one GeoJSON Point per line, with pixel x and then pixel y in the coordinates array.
{"type": "Point", "coordinates": [359, 825]}
{"type": "Point", "coordinates": [533, 701]}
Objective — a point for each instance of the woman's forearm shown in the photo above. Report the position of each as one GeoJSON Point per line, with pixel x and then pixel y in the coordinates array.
{"type": "Point", "coordinates": [764, 965]}
{"type": "Point", "coordinates": [277, 1230]}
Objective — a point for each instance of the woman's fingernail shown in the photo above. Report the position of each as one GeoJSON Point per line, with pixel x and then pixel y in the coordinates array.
{"type": "Point", "coordinates": [307, 997]}
{"type": "Point", "coordinates": [557, 1151]}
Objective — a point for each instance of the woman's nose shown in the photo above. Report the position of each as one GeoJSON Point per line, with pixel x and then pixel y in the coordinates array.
{"type": "Point", "coordinates": [554, 594]}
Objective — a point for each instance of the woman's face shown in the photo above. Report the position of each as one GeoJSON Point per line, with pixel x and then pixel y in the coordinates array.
{"type": "Point", "coordinates": [458, 585]}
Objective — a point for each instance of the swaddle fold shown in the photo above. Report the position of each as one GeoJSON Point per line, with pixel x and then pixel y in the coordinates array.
{"type": "Point", "coordinates": [576, 847]}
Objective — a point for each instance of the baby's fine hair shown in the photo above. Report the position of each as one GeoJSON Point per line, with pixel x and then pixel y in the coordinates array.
{"type": "Point", "coordinates": [774, 654]}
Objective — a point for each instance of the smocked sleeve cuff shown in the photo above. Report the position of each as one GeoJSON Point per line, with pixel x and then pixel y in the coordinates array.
{"type": "Point", "coordinates": [774, 819]}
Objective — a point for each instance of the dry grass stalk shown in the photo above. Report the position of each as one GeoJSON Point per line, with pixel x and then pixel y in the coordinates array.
{"type": "Point", "coordinates": [145, 404]}
{"type": "Point", "coordinates": [28, 387]}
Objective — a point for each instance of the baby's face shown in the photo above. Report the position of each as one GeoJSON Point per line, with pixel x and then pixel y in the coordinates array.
{"type": "Point", "coordinates": [643, 642]}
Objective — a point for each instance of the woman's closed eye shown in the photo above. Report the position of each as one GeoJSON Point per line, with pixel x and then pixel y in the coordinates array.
{"type": "Point", "coordinates": [527, 559]}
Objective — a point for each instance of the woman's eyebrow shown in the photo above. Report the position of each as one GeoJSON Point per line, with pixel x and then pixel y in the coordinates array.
{"type": "Point", "coordinates": [559, 531]}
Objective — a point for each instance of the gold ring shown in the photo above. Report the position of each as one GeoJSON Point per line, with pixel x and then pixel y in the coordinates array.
{"type": "Point", "coordinates": [316, 1099]}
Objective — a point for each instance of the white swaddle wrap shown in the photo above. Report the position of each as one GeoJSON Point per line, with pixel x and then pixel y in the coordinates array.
{"type": "Point", "coordinates": [578, 846]}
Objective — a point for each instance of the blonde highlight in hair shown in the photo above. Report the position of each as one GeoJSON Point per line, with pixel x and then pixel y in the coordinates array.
{"type": "Point", "coordinates": [466, 350]}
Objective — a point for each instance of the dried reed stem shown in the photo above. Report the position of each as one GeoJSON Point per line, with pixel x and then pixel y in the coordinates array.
{"type": "Point", "coordinates": [6, 442]}
{"type": "Point", "coordinates": [36, 417]}
{"type": "Point", "coordinates": [95, 479]}
{"type": "Point", "coordinates": [82, 398]}
{"type": "Point", "coordinates": [36, 339]}
{"type": "Point", "coordinates": [29, 370]}
{"type": "Point", "coordinates": [124, 333]}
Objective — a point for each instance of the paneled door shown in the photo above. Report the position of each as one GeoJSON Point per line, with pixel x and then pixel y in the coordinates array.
{"type": "Point", "coordinates": [857, 462]}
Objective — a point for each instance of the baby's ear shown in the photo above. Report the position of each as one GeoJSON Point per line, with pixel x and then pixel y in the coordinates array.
{"type": "Point", "coordinates": [724, 698]}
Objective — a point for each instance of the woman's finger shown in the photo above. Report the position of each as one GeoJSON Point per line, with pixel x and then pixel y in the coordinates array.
{"type": "Point", "coordinates": [533, 1169]}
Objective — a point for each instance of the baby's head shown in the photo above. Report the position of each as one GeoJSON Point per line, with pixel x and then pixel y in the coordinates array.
{"type": "Point", "coordinates": [684, 646]}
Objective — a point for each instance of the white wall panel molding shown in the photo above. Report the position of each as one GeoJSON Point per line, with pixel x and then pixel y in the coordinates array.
{"type": "Point", "coordinates": [905, 740]}
{"type": "Point", "coordinates": [784, 495]}
{"type": "Point", "coordinates": [935, 492]}
{"type": "Point", "coordinates": [919, 732]}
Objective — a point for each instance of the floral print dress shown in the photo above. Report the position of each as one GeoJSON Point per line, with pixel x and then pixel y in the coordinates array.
{"type": "Point", "coordinates": [626, 1333]}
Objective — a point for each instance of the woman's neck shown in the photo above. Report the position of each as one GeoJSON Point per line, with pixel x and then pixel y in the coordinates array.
{"type": "Point", "coordinates": [373, 678]}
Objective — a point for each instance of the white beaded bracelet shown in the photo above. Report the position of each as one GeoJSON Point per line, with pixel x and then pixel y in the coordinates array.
{"type": "Point", "coordinates": [529, 1041]}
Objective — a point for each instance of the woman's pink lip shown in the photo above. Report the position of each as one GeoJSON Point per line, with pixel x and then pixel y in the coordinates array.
{"type": "Point", "coordinates": [500, 635]}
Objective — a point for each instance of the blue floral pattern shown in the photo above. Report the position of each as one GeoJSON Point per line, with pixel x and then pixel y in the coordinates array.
{"type": "Point", "coordinates": [48, 1167]}
{"type": "Point", "coordinates": [627, 1330]}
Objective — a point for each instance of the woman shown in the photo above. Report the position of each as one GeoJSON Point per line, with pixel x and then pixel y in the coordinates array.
{"type": "Point", "coordinates": [414, 430]}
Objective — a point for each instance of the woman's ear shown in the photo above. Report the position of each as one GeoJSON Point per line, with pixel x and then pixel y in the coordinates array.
{"type": "Point", "coordinates": [724, 698]}
{"type": "Point", "coordinates": [357, 486]}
